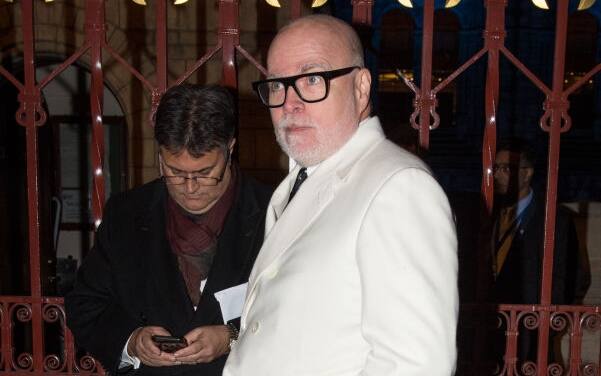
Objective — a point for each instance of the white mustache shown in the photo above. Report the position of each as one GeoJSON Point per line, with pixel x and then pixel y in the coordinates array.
{"type": "Point", "coordinates": [289, 121]}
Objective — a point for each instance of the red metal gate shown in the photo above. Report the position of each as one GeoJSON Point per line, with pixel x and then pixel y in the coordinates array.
{"type": "Point", "coordinates": [35, 310]}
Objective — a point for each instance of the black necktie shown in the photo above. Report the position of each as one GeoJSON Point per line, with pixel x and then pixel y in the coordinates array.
{"type": "Point", "coordinates": [300, 178]}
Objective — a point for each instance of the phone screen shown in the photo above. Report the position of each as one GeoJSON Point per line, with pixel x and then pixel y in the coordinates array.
{"type": "Point", "coordinates": [169, 344]}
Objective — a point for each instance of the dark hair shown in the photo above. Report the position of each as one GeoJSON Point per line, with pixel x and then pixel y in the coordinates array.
{"type": "Point", "coordinates": [519, 147]}
{"type": "Point", "coordinates": [195, 118]}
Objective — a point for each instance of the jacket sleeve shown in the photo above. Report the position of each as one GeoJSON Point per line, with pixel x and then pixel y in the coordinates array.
{"type": "Point", "coordinates": [95, 315]}
{"type": "Point", "coordinates": [407, 260]}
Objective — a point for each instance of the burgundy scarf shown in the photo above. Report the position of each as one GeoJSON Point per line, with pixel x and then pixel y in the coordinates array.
{"type": "Point", "coordinates": [193, 238]}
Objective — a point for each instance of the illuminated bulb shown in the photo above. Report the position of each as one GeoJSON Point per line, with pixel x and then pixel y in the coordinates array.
{"type": "Point", "coordinates": [318, 3]}
{"type": "Point", "coordinates": [582, 4]}
{"type": "Point", "coordinates": [273, 3]}
{"type": "Point", "coordinates": [585, 4]}
{"type": "Point", "coordinates": [447, 3]}
{"type": "Point", "coordinates": [542, 4]}
{"type": "Point", "coordinates": [143, 2]}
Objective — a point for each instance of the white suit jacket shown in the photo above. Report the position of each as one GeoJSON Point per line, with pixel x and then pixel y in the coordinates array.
{"type": "Point", "coordinates": [358, 275]}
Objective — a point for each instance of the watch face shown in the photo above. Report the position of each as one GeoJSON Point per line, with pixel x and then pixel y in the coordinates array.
{"type": "Point", "coordinates": [233, 331]}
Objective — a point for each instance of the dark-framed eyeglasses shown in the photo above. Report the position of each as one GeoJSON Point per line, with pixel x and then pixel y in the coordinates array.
{"type": "Point", "coordinates": [202, 180]}
{"type": "Point", "coordinates": [310, 87]}
{"type": "Point", "coordinates": [507, 168]}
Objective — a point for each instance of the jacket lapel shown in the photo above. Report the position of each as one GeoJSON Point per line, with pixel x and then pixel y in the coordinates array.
{"type": "Point", "coordinates": [234, 254]}
{"type": "Point", "coordinates": [285, 224]}
{"type": "Point", "coordinates": [165, 290]}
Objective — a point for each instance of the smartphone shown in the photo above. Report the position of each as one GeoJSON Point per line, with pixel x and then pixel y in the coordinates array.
{"type": "Point", "coordinates": [169, 344]}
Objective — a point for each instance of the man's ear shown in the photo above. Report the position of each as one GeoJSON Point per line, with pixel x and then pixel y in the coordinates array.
{"type": "Point", "coordinates": [362, 89]}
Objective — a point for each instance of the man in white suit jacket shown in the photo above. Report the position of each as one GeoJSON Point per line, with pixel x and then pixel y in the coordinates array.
{"type": "Point", "coordinates": [358, 273]}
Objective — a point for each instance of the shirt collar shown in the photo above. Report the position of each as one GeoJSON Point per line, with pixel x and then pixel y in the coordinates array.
{"type": "Point", "coordinates": [523, 203]}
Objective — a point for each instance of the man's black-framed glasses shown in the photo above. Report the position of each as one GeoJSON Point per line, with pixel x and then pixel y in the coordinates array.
{"type": "Point", "coordinates": [310, 87]}
{"type": "Point", "coordinates": [182, 177]}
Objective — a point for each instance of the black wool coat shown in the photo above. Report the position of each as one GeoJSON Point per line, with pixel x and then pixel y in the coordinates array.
{"type": "Point", "coordinates": [131, 277]}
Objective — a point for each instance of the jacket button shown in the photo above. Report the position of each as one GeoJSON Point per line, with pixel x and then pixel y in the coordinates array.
{"type": "Point", "coordinates": [255, 327]}
{"type": "Point", "coordinates": [272, 273]}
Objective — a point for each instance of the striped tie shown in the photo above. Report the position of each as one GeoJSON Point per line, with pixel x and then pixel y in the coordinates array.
{"type": "Point", "coordinates": [505, 234]}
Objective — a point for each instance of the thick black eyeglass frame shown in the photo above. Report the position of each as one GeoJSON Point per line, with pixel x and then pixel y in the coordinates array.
{"type": "Point", "coordinates": [291, 81]}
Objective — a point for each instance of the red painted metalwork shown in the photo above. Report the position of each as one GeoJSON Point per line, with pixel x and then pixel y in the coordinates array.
{"type": "Point", "coordinates": [362, 11]}
{"type": "Point", "coordinates": [295, 9]}
{"type": "Point", "coordinates": [426, 100]}
{"type": "Point", "coordinates": [161, 47]}
{"type": "Point", "coordinates": [229, 32]}
{"type": "Point", "coordinates": [95, 34]}
{"type": "Point", "coordinates": [30, 116]}
{"type": "Point", "coordinates": [556, 109]}
{"type": "Point", "coordinates": [35, 310]}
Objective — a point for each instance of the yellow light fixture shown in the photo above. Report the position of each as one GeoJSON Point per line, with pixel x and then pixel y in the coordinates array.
{"type": "Point", "coordinates": [585, 4]}
{"type": "Point", "coordinates": [447, 3]}
{"type": "Point", "coordinates": [318, 3]}
{"type": "Point", "coordinates": [143, 2]}
{"type": "Point", "coordinates": [273, 3]}
{"type": "Point", "coordinates": [582, 4]}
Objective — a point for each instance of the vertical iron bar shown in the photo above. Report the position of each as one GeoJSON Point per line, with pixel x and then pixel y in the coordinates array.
{"type": "Point", "coordinates": [295, 9]}
{"type": "Point", "coordinates": [5, 342]}
{"type": "Point", "coordinates": [511, 345]}
{"type": "Point", "coordinates": [575, 344]}
{"type": "Point", "coordinates": [494, 37]}
{"type": "Point", "coordinates": [161, 52]}
{"type": "Point", "coordinates": [95, 35]}
{"type": "Point", "coordinates": [556, 106]}
{"type": "Point", "coordinates": [229, 34]}
{"type": "Point", "coordinates": [362, 12]}
{"type": "Point", "coordinates": [30, 109]}
{"type": "Point", "coordinates": [161, 44]}
{"type": "Point", "coordinates": [426, 76]}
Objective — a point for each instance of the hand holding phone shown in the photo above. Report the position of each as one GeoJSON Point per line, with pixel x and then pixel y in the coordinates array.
{"type": "Point", "coordinates": [169, 344]}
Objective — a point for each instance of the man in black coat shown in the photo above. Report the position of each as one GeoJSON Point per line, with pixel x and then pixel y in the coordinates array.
{"type": "Point", "coordinates": [164, 249]}
{"type": "Point", "coordinates": [518, 239]}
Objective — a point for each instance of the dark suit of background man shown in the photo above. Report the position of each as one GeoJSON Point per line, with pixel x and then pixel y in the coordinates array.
{"type": "Point", "coordinates": [165, 248]}
{"type": "Point", "coordinates": [518, 236]}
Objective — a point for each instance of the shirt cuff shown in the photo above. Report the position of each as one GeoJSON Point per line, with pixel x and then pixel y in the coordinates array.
{"type": "Point", "coordinates": [128, 360]}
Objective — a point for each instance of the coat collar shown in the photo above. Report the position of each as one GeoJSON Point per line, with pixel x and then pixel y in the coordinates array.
{"type": "Point", "coordinates": [165, 287]}
{"type": "Point", "coordinates": [286, 223]}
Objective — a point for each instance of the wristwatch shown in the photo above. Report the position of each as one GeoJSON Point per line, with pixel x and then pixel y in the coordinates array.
{"type": "Point", "coordinates": [234, 332]}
